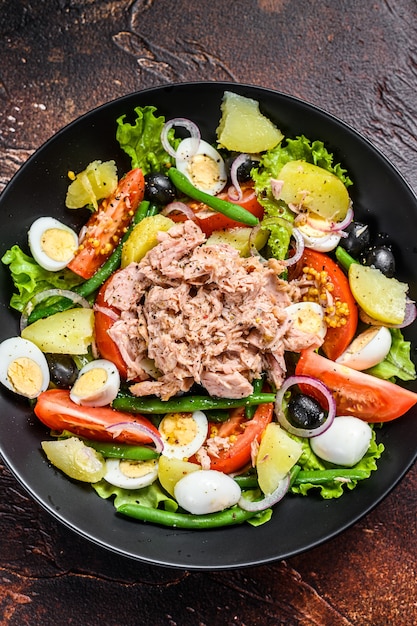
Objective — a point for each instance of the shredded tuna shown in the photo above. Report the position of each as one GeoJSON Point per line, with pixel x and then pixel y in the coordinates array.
{"type": "Point", "coordinates": [202, 314]}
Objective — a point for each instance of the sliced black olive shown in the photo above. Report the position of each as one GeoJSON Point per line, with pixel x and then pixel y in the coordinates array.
{"type": "Point", "coordinates": [159, 188]}
{"type": "Point", "coordinates": [358, 239]}
{"type": "Point", "coordinates": [382, 258]}
{"type": "Point", "coordinates": [244, 169]}
{"type": "Point", "coordinates": [63, 370]}
{"type": "Point", "coordinates": [305, 412]}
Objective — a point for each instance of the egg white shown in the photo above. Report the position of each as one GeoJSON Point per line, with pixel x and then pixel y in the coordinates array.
{"type": "Point", "coordinates": [318, 240]}
{"type": "Point", "coordinates": [175, 433]}
{"type": "Point", "coordinates": [115, 475]}
{"type": "Point", "coordinates": [368, 349]}
{"type": "Point", "coordinates": [206, 491]}
{"type": "Point", "coordinates": [345, 442]}
{"type": "Point", "coordinates": [41, 254]}
{"type": "Point", "coordinates": [17, 348]}
{"type": "Point", "coordinates": [208, 175]}
{"type": "Point", "coordinates": [98, 384]}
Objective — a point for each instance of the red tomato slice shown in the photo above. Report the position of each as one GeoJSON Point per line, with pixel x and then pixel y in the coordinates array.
{"type": "Point", "coordinates": [210, 221]}
{"type": "Point", "coordinates": [244, 432]}
{"type": "Point", "coordinates": [55, 409]}
{"type": "Point", "coordinates": [362, 395]}
{"type": "Point", "coordinates": [102, 323]}
{"type": "Point", "coordinates": [337, 339]}
{"type": "Point", "coordinates": [108, 224]}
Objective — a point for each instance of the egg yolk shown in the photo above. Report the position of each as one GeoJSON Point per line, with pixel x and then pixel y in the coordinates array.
{"type": "Point", "coordinates": [203, 170]}
{"type": "Point", "coordinates": [89, 382]}
{"type": "Point", "coordinates": [178, 428]}
{"type": "Point", "coordinates": [58, 244]}
{"type": "Point", "coordinates": [25, 376]}
{"type": "Point", "coordinates": [136, 469]}
{"type": "Point", "coordinates": [308, 321]}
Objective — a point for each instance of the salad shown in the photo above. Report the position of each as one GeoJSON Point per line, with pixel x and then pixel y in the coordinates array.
{"type": "Point", "coordinates": [221, 334]}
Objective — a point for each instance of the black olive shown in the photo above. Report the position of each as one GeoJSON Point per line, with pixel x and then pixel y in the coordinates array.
{"type": "Point", "coordinates": [244, 169]}
{"type": "Point", "coordinates": [62, 369]}
{"type": "Point", "coordinates": [159, 188]}
{"type": "Point", "coordinates": [382, 258]}
{"type": "Point", "coordinates": [305, 412]}
{"type": "Point", "coordinates": [358, 239]}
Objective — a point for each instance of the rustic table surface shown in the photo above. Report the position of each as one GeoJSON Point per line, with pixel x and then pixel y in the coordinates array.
{"type": "Point", "coordinates": [357, 60]}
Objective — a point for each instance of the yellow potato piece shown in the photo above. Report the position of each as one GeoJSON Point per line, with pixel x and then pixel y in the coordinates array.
{"type": "Point", "coordinates": [97, 181]}
{"type": "Point", "coordinates": [239, 238]}
{"type": "Point", "coordinates": [68, 332]}
{"type": "Point", "coordinates": [75, 459]}
{"type": "Point", "coordinates": [380, 297]}
{"type": "Point", "coordinates": [276, 456]}
{"type": "Point", "coordinates": [315, 189]}
{"type": "Point", "coordinates": [143, 238]}
{"type": "Point", "coordinates": [243, 128]}
{"type": "Point", "coordinates": [170, 471]}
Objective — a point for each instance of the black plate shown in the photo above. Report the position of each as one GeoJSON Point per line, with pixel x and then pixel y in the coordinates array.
{"type": "Point", "coordinates": [380, 196]}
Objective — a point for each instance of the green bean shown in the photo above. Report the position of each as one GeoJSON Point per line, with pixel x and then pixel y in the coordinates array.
{"type": "Point", "coordinates": [318, 477]}
{"type": "Point", "coordinates": [228, 517]}
{"type": "Point", "coordinates": [122, 451]}
{"type": "Point", "coordinates": [91, 285]}
{"type": "Point", "coordinates": [185, 404]}
{"type": "Point", "coordinates": [229, 209]}
{"type": "Point", "coordinates": [154, 209]}
{"type": "Point", "coordinates": [344, 257]}
{"type": "Point", "coordinates": [247, 482]}
{"type": "Point", "coordinates": [257, 385]}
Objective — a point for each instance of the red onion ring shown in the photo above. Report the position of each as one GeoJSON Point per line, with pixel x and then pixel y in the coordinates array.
{"type": "Point", "coordinates": [324, 391]}
{"type": "Point", "coordinates": [233, 174]}
{"type": "Point", "coordinates": [43, 295]}
{"type": "Point", "coordinates": [183, 123]}
{"type": "Point", "coordinates": [135, 427]}
{"type": "Point", "coordinates": [269, 500]}
{"type": "Point", "coordinates": [299, 248]}
{"type": "Point", "coordinates": [181, 207]}
{"type": "Point", "coordinates": [107, 311]}
{"type": "Point", "coordinates": [333, 227]}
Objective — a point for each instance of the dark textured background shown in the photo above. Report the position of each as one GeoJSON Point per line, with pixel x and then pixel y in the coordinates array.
{"type": "Point", "coordinates": [356, 60]}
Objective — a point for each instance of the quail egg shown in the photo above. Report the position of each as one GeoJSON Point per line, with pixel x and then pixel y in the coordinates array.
{"type": "Point", "coordinates": [52, 243]}
{"type": "Point", "coordinates": [204, 168]}
{"type": "Point", "coordinates": [23, 367]}
{"type": "Point", "coordinates": [98, 384]}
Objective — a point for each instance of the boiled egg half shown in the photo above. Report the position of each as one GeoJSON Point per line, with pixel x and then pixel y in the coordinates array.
{"type": "Point", "coordinates": [308, 317]}
{"type": "Point", "coordinates": [98, 384]}
{"type": "Point", "coordinates": [206, 491]}
{"type": "Point", "coordinates": [205, 167]}
{"type": "Point", "coordinates": [345, 442]}
{"type": "Point", "coordinates": [131, 474]}
{"type": "Point", "coordinates": [320, 238]}
{"type": "Point", "coordinates": [368, 349]}
{"type": "Point", "coordinates": [23, 367]}
{"type": "Point", "coordinates": [183, 433]}
{"type": "Point", "coordinates": [52, 243]}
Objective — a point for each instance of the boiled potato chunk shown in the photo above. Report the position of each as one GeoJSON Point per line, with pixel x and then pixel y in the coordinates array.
{"type": "Point", "coordinates": [243, 128]}
{"type": "Point", "coordinates": [75, 459]}
{"type": "Point", "coordinates": [143, 238]}
{"type": "Point", "coordinates": [239, 238]}
{"type": "Point", "coordinates": [97, 181]}
{"type": "Point", "coordinates": [68, 332]}
{"type": "Point", "coordinates": [170, 471]}
{"type": "Point", "coordinates": [276, 456]}
{"type": "Point", "coordinates": [380, 297]}
{"type": "Point", "coordinates": [315, 189]}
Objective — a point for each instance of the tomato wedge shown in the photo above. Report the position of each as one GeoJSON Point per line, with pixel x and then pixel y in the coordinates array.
{"type": "Point", "coordinates": [55, 409]}
{"type": "Point", "coordinates": [337, 339]}
{"type": "Point", "coordinates": [243, 433]}
{"type": "Point", "coordinates": [209, 220]}
{"type": "Point", "coordinates": [102, 324]}
{"type": "Point", "coordinates": [108, 224]}
{"type": "Point", "coordinates": [362, 395]}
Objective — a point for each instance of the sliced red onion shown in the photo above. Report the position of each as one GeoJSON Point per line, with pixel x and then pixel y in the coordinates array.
{"type": "Point", "coordinates": [107, 311]}
{"type": "Point", "coordinates": [269, 500]}
{"type": "Point", "coordinates": [136, 427]}
{"type": "Point", "coordinates": [333, 227]}
{"type": "Point", "coordinates": [299, 248]}
{"type": "Point", "coordinates": [183, 123]}
{"type": "Point", "coordinates": [324, 391]}
{"type": "Point", "coordinates": [233, 174]}
{"type": "Point", "coordinates": [181, 207]}
{"type": "Point", "coordinates": [48, 293]}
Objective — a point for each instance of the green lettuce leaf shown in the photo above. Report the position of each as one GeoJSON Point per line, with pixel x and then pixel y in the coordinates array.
{"type": "Point", "coordinates": [335, 488]}
{"type": "Point", "coordinates": [151, 496]}
{"type": "Point", "coordinates": [30, 278]}
{"type": "Point", "coordinates": [397, 363]}
{"type": "Point", "coordinates": [142, 140]}
{"type": "Point", "coordinates": [270, 165]}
